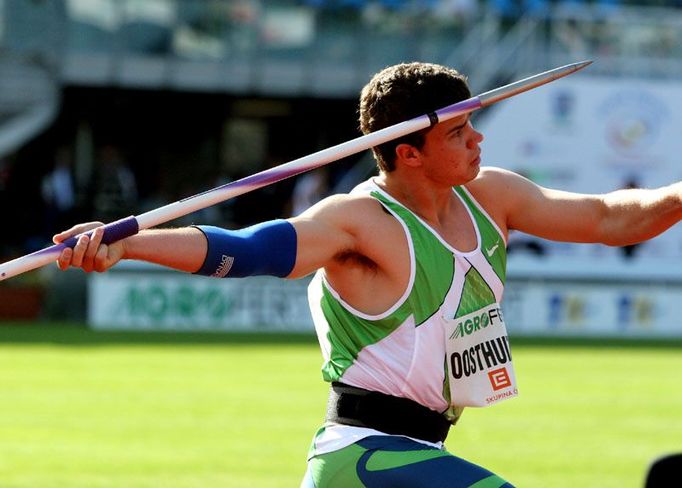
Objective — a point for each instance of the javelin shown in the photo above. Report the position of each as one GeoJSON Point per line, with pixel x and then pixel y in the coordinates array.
{"type": "Point", "coordinates": [129, 226]}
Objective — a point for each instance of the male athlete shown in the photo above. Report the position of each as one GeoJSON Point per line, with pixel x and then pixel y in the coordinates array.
{"type": "Point", "coordinates": [410, 270]}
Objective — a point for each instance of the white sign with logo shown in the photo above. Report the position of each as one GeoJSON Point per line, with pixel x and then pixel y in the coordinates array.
{"type": "Point", "coordinates": [579, 298]}
{"type": "Point", "coordinates": [576, 298]}
{"type": "Point", "coordinates": [133, 298]}
{"type": "Point", "coordinates": [592, 135]}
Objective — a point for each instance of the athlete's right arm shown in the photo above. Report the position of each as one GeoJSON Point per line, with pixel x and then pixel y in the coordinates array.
{"type": "Point", "coordinates": [321, 232]}
{"type": "Point", "coordinates": [326, 229]}
{"type": "Point", "coordinates": [183, 249]}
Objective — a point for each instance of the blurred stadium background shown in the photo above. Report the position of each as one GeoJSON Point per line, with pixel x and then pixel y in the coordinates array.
{"type": "Point", "coordinates": [114, 107]}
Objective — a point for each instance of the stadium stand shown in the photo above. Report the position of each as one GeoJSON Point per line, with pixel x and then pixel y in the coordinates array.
{"type": "Point", "coordinates": [283, 50]}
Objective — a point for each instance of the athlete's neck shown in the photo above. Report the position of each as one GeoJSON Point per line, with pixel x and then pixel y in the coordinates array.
{"type": "Point", "coordinates": [433, 203]}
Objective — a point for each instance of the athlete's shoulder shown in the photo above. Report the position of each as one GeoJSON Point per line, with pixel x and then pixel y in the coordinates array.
{"type": "Point", "coordinates": [364, 188]}
{"type": "Point", "coordinates": [492, 175]}
{"type": "Point", "coordinates": [493, 181]}
{"type": "Point", "coordinates": [354, 206]}
{"type": "Point", "coordinates": [492, 189]}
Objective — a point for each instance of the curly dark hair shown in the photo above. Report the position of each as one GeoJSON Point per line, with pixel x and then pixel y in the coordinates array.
{"type": "Point", "coordinates": [402, 92]}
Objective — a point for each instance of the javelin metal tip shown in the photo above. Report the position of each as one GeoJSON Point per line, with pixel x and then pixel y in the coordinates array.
{"type": "Point", "coordinates": [494, 96]}
{"type": "Point", "coordinates": [559, 72]}
{"type": "Point", "coordinates": [573, 67]}
{"type": "Point", "coordinates": [582, 64]}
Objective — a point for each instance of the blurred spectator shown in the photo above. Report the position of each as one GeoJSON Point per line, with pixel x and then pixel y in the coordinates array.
{"type": "Point", "coordinates": [244, 19]}
{"type": "Point", "coordinates": [59, 194]}
{"type": "Point", "coordinates": [115, 188]}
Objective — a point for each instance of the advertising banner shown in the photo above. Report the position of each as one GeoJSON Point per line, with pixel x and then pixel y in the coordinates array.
{"type": "Point", "coordinates": [565, 309]}
{"type": "Point", "coordinates": [585, 301]}
{"type": "Point", "coordinates": [165, 300]}
{"type": "Point", "coordinates": [592, 135]}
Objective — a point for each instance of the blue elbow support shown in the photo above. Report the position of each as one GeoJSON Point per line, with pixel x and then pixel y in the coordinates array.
{"type": "Point", "coordinates": [263, 249]}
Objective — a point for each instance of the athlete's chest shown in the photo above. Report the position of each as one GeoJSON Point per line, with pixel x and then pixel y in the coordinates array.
{"type": "Point", "coordinates": [454, 226]}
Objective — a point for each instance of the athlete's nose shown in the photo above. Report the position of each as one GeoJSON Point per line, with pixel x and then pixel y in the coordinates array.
{"type": "Point", "coordinates": [478, 135]}
{"type": "Point", "coordinates": [475, 139]}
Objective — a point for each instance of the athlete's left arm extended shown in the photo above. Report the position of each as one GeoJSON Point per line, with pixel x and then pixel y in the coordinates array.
{"type": "Point", "coordinates": [635, 215]}
{"type": "Point", "coordinates": [617, 218]}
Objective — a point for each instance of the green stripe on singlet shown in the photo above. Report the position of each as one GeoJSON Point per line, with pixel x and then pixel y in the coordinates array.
{"type": "Point", "coordinates": [476, 293]}
{"type": "Point", "coordinates": [435, 264]}
{"type": "Point", "coordinates": [492, 243]}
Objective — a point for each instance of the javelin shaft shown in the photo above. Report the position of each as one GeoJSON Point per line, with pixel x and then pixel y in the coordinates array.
{"type": "Point", "coordinates": [132, 225]}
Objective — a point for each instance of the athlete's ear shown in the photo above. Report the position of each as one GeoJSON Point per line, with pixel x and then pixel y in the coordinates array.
{"type": "Point", "coordinates": [408, 154]}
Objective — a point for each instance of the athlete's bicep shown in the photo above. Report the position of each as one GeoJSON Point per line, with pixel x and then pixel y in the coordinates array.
{"type": "Point", "coordinates": [556, 215]}
{"type": "Point", "coordinates": [523, 205]}
{"type": "Point", "coordinates": [322, 232]}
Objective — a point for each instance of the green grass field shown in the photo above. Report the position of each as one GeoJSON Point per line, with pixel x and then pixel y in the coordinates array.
{"type": "Point", "coordinates": [92, 409]}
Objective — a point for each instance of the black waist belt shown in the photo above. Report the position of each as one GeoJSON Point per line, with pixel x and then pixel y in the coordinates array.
{"type": "Point", "coordinates": [392, 415]}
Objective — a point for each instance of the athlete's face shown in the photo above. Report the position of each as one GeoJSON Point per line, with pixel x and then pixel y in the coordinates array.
{"type": "Point", "coordinates": [451, 152]}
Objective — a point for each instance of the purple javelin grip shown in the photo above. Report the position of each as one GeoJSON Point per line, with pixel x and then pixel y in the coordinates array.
{"type": "Point", "coordinates": [113, 232]}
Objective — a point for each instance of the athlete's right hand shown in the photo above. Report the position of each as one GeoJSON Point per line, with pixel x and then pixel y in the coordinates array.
{"type": "Point", "coordinates": [89, 253]}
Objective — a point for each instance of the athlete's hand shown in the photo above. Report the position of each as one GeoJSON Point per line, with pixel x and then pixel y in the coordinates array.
{"type": "Point", "coordinates": [89, 253]}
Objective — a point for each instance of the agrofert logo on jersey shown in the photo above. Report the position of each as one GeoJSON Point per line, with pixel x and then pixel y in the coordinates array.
{"type": "Point", "coordinates": [470, 323]}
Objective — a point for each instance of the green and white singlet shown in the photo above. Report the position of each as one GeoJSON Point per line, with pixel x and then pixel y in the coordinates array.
{"type": "Point", "coordinates": [443, 344]}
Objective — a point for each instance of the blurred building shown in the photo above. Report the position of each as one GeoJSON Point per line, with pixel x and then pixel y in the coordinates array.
{"type": "Point", "coordinates": [193, 92]}
{"type": "Point", "coordinates": [190, 94]}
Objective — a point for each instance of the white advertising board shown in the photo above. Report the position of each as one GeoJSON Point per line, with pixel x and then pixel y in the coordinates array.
{"type": "Point", "coordinates": [564, 308]}
{"type": "Point", "coordinates": [578, 300]}
{"type": "Point", "coordinates": [592, 135]}
{"type": "Point", "coordinates": [149, 298]}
